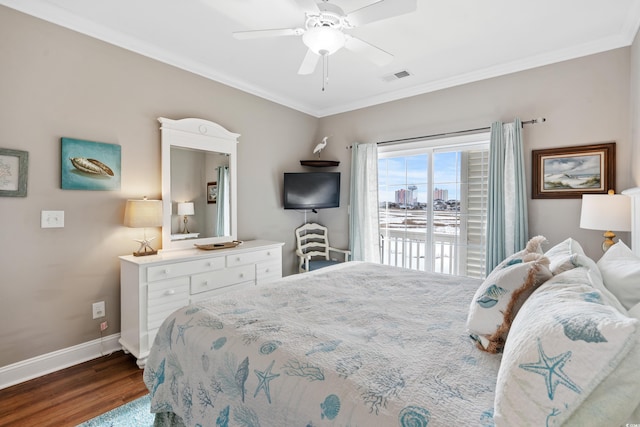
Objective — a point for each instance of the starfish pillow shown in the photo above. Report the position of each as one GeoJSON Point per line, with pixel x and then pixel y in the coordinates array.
{"type": "Point", "coordinates": [564, 342]}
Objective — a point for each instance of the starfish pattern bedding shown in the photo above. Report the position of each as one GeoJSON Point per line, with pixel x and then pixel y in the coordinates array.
{"type": "Point", "coordinates": [356, 344]}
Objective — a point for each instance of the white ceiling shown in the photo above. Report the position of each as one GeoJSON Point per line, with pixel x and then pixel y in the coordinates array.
{"type": "Point", "coordinates": [442, 44]}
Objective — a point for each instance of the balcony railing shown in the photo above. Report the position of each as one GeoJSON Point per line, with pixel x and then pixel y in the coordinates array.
{"type": "Point", "coordinates": [402, 248]}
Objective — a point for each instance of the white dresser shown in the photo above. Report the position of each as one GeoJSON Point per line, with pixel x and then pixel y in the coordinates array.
{"type": "Point", "coordinates": [152, 287]}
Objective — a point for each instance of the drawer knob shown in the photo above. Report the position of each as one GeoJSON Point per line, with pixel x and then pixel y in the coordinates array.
{"type": "Point", "coordinates": [238, 259]}
{"type": "Point", "coordinates": [165, 271]}
{"type": "Point", "coordinates": [170, 292]}
{"type": "Point", "coordinates": [268, 253]}
{"type": "Point", "coordinates": [205, 283]}
{"type": "Point", "coordinates": [241, 275]}
{"type": "Point", "coordinates": [266, 271]}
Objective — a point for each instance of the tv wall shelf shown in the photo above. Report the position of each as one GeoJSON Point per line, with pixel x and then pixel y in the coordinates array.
{"type": "Point", "coordinates": [319, 163]}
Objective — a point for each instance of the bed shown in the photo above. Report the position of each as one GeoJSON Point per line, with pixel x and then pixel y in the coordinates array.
{"type": "Point", "coordinates": [362, 344]}
{"type": "Point", "coordinates": [283, 355]}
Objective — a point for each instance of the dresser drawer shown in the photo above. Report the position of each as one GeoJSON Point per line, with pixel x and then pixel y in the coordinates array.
{"type": "Point", "coordinates": [168, 271]}
{"type": "Point", "coordinates": [254, 256]}
{"type": "Point", "coordinates": [220, 279]}
{"type": "Point", "coordinates": [268, 271]}
{"type": "Point", "coordinates": [163, 298]}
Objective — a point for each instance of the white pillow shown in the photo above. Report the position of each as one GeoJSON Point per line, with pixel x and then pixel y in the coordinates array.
{"type": "Point", "coordinates": [564, 342]}
{"type": "Point", "coordinates": [620, 269]}
{"type": "Point", "coordinates": [564, 256]}
{"type": "Point", "coordinates": [498, 299]}
{"type": "Point", "coordinates": [635, 311]}
{"type": "Point", "coordinates": [595, 280]}
{"type": "Point", "coordinates": [568, 255]}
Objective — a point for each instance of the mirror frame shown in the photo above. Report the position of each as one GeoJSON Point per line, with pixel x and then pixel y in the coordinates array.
{"type": "Point", "coordinates": [204, 135]}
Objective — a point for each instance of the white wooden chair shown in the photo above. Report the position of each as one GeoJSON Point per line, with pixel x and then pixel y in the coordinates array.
{"type": "Point", "coordinates": [313, 250]}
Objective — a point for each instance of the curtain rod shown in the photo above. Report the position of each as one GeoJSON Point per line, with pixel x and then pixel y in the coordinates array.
{"type": "Point", "coordinates": [459, 132]}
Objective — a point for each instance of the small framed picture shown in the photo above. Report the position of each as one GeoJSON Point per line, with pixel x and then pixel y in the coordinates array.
{"type": "Point", "coordinates": [212, 192]}
{"type": "Point", "coordinates": [14, 165]}
{"type": "Point", "coordinates": [570, 172]}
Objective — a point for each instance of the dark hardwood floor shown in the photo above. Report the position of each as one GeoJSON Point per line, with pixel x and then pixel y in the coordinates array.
{"type": "Point", "coordinates": [73, 395]}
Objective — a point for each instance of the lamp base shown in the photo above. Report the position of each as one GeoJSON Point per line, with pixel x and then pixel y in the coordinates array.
{"type": "Point", "coordinates": [145, 247]}
{"type": "Point", "coordinates": [152, 252]}
{"type": "Point", "coordinates": [185, 230]}
{"type": "Point", "coordinates": [608, 240]}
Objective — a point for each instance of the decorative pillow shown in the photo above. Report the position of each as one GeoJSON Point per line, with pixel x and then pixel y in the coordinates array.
{"type": "Point", "coordinates": [534, 245]}
{"type": "Point", "coordinates": [503, 292]}
{"type": "Point", "coordinates": [563, 344]}
{"type": "Point", "coordinates": [595, 280]}
{"type": "Point", "coordinates": [635, 311]}
{"type": "Point", "coordinates": [620, 269]}
{"type": "Point", "coordinates": [564, 256]}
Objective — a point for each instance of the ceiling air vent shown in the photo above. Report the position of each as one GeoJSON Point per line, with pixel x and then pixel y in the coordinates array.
{"type": "Point", "coordinates": [396, 76]}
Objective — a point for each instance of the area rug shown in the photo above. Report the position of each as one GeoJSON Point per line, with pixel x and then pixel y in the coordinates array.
{"type": "Point", "coordinates": [132, 414]}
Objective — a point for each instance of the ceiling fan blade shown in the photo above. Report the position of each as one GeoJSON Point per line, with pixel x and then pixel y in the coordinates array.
{"type": "Point", "coordinates": [309, 6]}
{"type": "Point", "coordinates": [381, 9]}
{"type": "Point", "coordinates": [369, 51]}
{"type": "Point", "coordinates": [309, 63]}
{"type": "Point", "coordinates": [255, 34]}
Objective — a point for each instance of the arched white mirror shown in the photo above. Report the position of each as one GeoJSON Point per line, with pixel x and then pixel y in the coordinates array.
{"type": "Point", "coordinates": [199, 171]}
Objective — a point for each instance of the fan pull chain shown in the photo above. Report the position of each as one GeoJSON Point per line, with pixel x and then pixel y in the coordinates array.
{"type": "Point", "coordinates": [325, 70]}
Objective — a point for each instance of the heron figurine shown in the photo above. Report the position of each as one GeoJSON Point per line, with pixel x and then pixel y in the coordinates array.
{"type": "Point", "coordinates": [320, 146]}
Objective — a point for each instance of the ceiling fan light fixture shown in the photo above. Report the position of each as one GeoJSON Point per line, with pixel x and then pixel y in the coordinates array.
{"type": "Point", "coordinates": [323, 40]}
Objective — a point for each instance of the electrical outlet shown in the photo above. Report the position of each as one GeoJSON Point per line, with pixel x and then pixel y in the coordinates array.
{"type": "Point", "coordinates": [52, 219]}
{"type": "Point", "coordinates": [98, 310]}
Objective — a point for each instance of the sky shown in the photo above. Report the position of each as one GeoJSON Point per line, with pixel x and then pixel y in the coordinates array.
{"type": "Point", "coordinates": [400, 172]}
{"type": "Point", "coordinates": [577, 165]}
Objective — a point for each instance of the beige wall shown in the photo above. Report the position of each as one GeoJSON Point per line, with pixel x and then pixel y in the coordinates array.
{"type": "Point", "coordinates": [55, 83]}
{"type": "Point", "coordinates": [635, 110]}
{"type": "Point", "coordinates": [585, 101]}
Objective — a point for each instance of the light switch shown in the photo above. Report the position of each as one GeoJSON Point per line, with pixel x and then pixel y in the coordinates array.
{"type": "Point", "coordinates": [52, 219]}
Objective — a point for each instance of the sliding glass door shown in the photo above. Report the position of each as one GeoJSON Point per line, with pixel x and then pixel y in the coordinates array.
{"type": "Point", "coordinates": [433, 198]}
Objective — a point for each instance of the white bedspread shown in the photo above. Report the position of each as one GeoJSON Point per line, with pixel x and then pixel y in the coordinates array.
{"type": "Point", "coordinates": [353, 345]}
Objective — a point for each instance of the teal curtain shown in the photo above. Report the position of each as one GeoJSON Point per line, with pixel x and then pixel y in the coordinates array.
{"type": "Point", "coordinates": [223, 224]}
{"type": "Point", "coordinates": [507, 220]}
{"type": "Point", "coordinates": [364, 230]}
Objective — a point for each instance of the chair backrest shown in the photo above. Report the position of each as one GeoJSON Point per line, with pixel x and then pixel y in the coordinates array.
{"type": "Point", "coordinates": [312, 239]}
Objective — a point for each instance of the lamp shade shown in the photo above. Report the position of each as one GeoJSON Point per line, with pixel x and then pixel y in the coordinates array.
{"type": "Point", "coordinates": [185, 208]}
{"type": "Point", "coordinates": [323, 40]}
{"type": "Point", "coordinates": [143, 213]}
{"type": "Point", "coordinates": [606, 212]}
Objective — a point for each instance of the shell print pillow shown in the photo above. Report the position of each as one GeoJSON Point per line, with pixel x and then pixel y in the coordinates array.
{"type": "Point", "coordinates": [503, 292]}
{"type": "Point", "coordinates": [564, 342]}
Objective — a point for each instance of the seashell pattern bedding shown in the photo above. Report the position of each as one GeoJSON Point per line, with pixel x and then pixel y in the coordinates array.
{"type": "Point", "coordinates": [356, 344]}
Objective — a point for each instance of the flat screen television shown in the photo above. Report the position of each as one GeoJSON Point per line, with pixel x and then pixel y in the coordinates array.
{"type": "Point", "coordinates": [311, 190]}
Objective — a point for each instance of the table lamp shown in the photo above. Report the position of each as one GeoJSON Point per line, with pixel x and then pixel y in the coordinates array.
{"type": "Point", "coordinates": [606, 212]}
{"type": "Point", "coordinates": [185, 209]}
{"type": "Point", "coordinates": [142, 214]}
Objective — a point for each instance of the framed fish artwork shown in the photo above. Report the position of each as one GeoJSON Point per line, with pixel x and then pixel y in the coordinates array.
{"type": "Point", "coordinates": [88, 165]}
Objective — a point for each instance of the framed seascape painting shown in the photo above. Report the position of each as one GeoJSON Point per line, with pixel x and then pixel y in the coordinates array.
{"type": "Point", "coordinates": [14, 166]}
{"type": "Point", "coordinates": [570, 172]}
{"type": "Point", "coordinates": [88, 165]}
{"type": "Point", "coordinates": [212, 192]}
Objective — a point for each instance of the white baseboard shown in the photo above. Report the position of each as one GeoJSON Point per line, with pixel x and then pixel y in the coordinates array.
{"type": "Point", "coordinates": [51, 362]}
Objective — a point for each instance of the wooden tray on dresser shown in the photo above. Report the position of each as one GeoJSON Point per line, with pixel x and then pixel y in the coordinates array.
{"type": "Point", "coordinates": [214, 246]}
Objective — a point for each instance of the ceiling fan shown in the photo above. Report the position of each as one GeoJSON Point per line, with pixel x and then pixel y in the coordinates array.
{"type": "Point", "coordinates": [324, 26]}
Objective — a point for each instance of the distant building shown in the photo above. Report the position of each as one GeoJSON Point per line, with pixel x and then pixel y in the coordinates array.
{"type": "Point", "coordinates": [405, 197]}
{"type": "Point", "coordinates": [439, 193]}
